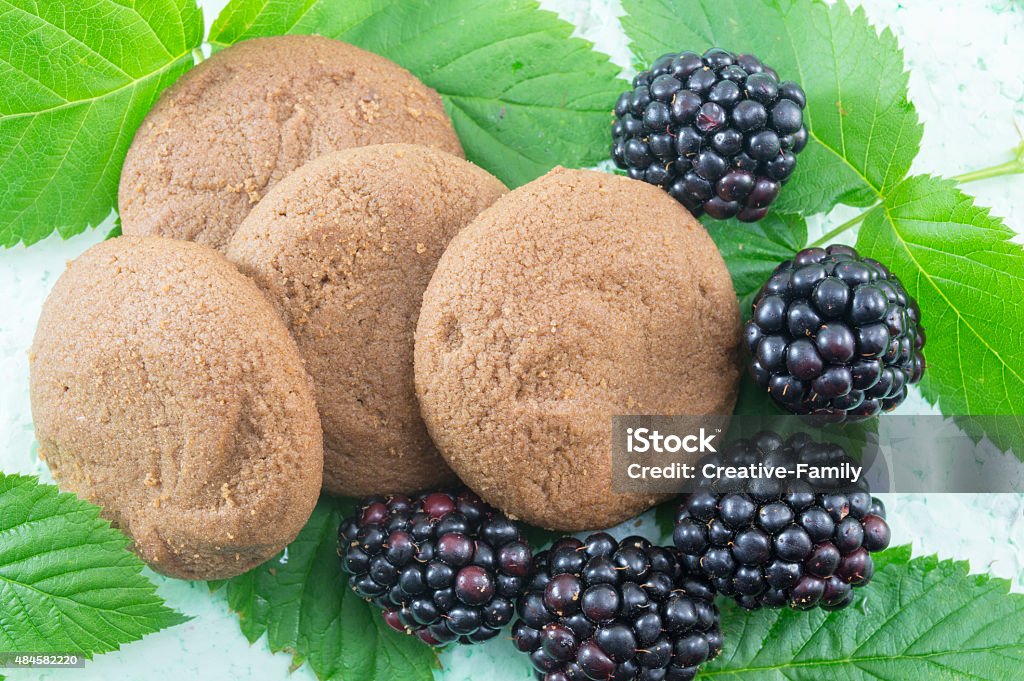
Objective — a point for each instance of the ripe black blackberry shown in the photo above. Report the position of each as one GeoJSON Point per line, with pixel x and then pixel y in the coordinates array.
{"type": "Point", "coordinates": [772, 543]}
{"type": "Point", "coordinates": [720, 133]}
{"type": "Point", "coordinates": [602, 609]}
{"type": "Point", "coordinates": [835, 335]}
{"type": "Point", "coordinates": [444, 567]}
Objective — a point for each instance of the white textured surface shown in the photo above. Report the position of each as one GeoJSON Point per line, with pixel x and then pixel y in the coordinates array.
{"type": "Point", "coordinates": [964, 57]}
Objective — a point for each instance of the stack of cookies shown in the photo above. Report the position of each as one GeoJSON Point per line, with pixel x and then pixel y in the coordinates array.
{"type": "Point", "coordinates": [315, 290]}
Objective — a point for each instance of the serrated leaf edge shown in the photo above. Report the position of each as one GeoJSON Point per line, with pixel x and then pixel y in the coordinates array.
{"type": "Point", "coordinates": [901, 562]}
{"type": "Point", "coordinates": [114, 538]}
{"type": "Point", "coordinates": [886, 207]}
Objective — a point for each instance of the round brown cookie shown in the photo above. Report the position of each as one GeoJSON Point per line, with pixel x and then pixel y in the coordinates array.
{"type": "Point", "coordinates": [166, 389]}
{"type": "Point", "coordinates": [345, 246]}
{"type": "Point", "coordinates": [576, 297]}
{"type": "Point", "coordinates": [229, 129]}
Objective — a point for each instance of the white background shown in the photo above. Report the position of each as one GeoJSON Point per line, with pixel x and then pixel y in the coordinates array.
{"type": "Point", "coordinates": [965, 60]}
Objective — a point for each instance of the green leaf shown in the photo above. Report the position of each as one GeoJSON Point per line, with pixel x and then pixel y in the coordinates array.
{"type": "Point", "coordinates": [68, 584]}
{"type": "Point", "coordinates": [918, 619]}
{"type": "Point", "coordinates": [960, 265]}
{"type": "Point", "coordinates": [753, 251]}
{"type": "Point", "coordinates": [665, 518]}
{"type": "Point", "coordinates": [752, 401]}
{"type": "Point", "coordinates": [539, 537]}
{"type": "Point", "coordinates": [864, 132]}
{"type": "Point", "coordinates": [244, 19]}
{"type": "Point", "coordinates": [524, 96]}
{"type": "Point", "coordinates": [77, 80]}
{"type": "Point", "coordinates": [897, 555]}
{"type": "Point", "coordinates": [301, 601]}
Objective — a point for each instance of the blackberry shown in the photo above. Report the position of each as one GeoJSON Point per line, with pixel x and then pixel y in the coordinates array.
{"type": "Point", "coordinates": [836, 335]}
{"type": "Point", "coordinates": [718, 132]}
{"type": "Point", "coordinates": [772, 543]}
{"type": "Point", "coordinates": [602, 609]}
{"type": "Point", "coordinates": [445, 567]}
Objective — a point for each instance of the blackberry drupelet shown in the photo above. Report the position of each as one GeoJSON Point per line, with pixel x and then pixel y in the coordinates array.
{"type": "Point", "coordinates": [445, 567]}
{"type": "Point", "coordinates": [773, 543]}
{"type": "Point", "coordinates": [835, 335]}
{"type": "Point", "coordinates": [602, 609]}
{"type": "Point", "coordinates": [720, 133]}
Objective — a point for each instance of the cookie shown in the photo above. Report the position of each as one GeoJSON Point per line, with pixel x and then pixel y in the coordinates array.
{"type": "Point", "coordinates": [229, 129]}
{"type": "Point", "coordinates": [166, 389]}
{"type": "Point", "coordinates": [576, 297]}
{"type": "Point", "coordinates": [345, 247]}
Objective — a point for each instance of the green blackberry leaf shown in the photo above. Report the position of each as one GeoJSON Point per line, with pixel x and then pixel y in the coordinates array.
{"type": "Point", "coordinates": [864, 132]}
{"type": "Point", "coordinates": [301, 601]}
{"type": "Point", "coordinates": [68, 583]}
{"type": "Point", "coordinates": [753, 401]}
{"type": "Point", "coordinates": [896, 555]}
{"type": "Point", "coordinates": [539, 537]}
{"type": "Point", "coordinates": [919, 618]}
{"type": "Point", "coordinates": [752, 252]}
{"type": "Point", "coordinates": [77, 80]}
{"type": "Point", "coordinates": [966, 274]}
{"type": "Point", "coordinates": [524, 96]}
{"type": "Point", "coordinates": [665, 518]}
